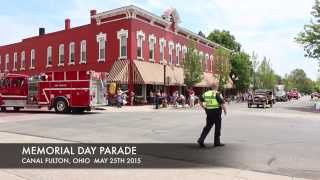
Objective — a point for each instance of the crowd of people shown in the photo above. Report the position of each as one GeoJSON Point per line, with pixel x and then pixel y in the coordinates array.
{"type": "Point", "coordinates": [157, 98]}
{"type": "Point", "coordinates": [161, 99]}
{"type": "Point", "coordinates": [176, 99]}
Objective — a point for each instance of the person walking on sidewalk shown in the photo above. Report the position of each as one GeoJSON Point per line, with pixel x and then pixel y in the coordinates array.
{"type": "Point", "coordinates": [157, 99]}
{"type": "Point", "coordinates": [119, 98]}
{"type": "Point", "coordinates": [213, 104]}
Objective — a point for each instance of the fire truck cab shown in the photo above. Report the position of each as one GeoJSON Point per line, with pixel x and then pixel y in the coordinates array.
{"type": "Point", "coordinates": [71, 91]}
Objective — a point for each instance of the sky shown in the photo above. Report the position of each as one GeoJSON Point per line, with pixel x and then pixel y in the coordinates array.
{"type": "Point", "coordinates": [266, 27]}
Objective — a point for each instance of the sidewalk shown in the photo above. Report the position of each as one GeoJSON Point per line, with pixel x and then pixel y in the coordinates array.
{"type": "Point", "coordinates": [144, 108]}
{"type": "Point", "coordinates": [219, 173]}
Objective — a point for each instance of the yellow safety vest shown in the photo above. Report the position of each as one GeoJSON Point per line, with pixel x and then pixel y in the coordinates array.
{"type": "Point", "coordinates": [210, 100]}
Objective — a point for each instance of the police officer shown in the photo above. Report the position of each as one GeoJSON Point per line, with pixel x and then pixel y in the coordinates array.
{"type": "Point", "coordinates": [213, 103]}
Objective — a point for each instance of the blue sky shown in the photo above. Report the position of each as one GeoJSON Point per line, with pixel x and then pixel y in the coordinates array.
{"type": "Point", "coordinates": [266, 27]}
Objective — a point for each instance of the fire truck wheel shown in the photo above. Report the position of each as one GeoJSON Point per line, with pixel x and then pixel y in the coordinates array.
{"type": "Point", "coordinates": [3, 109]}
{"type": "Point", "coordinates": [61, 106]}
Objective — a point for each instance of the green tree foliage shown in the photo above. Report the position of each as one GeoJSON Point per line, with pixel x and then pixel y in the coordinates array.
{"type": "Point", "coordinates": [310, 37]}
{"type": "Point", "coordinates": [298, 79]}
{"type": "Point", "coordinates": [266, 78]}
{"type": "Point", "coordinates": [241, 70]}
{"type": "Point", "coordinates": [279, 79]}
{"type": "Point", "coordinates": [193, 73]}
{"type": "Point", "coordinates": [225, 39]}
{"type": "Point", "coordinates": [316, 87]}
{"type": "Point", "coordinates": [223, 66]}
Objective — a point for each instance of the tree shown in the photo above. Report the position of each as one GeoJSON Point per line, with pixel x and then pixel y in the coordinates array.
{"type": "Point", "coordinates": [225, 39]}
{"type": "Point", "coordinates": [310, 37]}
{"type": "Point", "coordinates": [298, 79]}
{"type": "Point", "coordinates": [241, 70]}
{"type": "Point", "coordinates": [193, 73]}
{"type": "Point", "coordinates": [266, 78]}
{"type": "Point", "coordinates": [223, 66]}
{"type": "Point", "coordinates": [279, 79]}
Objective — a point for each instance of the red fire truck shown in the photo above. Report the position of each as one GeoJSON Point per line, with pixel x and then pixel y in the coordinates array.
{"type": "Point", "coordinates": [71, 91]}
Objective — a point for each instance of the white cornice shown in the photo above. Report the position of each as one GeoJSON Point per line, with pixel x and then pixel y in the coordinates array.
{"type": "Point", "coordinates": [131, 12]}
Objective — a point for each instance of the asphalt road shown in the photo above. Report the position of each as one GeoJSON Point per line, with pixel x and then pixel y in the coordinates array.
{"type": "Point", "coordinates": [281, 140]}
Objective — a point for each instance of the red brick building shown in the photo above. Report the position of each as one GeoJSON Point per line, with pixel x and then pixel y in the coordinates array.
{"type": "Point", "coordinates": [128, 45]}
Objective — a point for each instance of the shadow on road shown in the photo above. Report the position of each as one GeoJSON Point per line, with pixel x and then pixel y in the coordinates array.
{"type": "Point", "coordinates": [43, 112]}
{"type": "Point", "coordinates": [303, 109]}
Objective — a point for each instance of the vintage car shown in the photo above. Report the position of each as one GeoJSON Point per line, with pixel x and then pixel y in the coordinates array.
{"type": "Point", "coordinates": [261, 97]}
{"type": "Point", "coordinates": [280, 93]}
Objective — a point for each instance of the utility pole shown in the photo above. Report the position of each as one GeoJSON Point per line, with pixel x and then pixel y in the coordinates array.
{"type": "Point", "coordinates": [255, 62]}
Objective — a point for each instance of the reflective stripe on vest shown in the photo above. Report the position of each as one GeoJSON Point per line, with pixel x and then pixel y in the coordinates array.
{"type": "Point", "coordinates": [210, 100]}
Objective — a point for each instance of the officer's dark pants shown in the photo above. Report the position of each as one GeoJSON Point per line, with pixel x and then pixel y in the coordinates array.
{"type": "Point", "coordinates": [213, 118]}
{"type": "Point", "coordinates": [157, 102]}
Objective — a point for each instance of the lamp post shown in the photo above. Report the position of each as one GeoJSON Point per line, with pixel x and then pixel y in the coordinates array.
{"type": "Point", "coordinates": [164, 76]}
{"type": "Point", "coordinates": [235, 78]}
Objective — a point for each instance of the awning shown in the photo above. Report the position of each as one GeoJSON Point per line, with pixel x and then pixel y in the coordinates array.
{"type": "Point", "coordinates": [175, 75]}
{"type": "Point", "coordinates": [207, 80]}
{"type": "Point", "coordinates": [119, 72]}
{"type": "Point", "coordinates": [151, 73]}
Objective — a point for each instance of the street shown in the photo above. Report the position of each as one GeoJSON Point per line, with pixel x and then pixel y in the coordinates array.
{"type": "Point", "coordinates": [282, 140]}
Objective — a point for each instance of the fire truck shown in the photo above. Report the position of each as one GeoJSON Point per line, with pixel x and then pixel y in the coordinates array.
{"type": "Point", "coordinates": [65, 92]}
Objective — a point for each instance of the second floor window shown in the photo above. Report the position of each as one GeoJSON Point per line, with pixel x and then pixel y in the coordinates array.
{"type": "Point", "coordinates": [184, 52]}
{"type": "Point", "coordinates": [178, 49]}
{"type": "Point", "coordinates": [162, 46]}
{"type": "Point", "coordinates": [49, 56]}
{"type": "Point", "coordinates": [201, 59]}
{"type": "Point", "coordinates": [83, 52]}
{"type": "Point", "coordinates": [211, 63]}
{"type": "Point", "coordinates": [206, 62]}
{"type": "Point", "coordinates": [72, 53]}
{"type": "Point", "coordinates": [140, 39]}
{"type": "Point", "coordinates": [171, 47]}
{"type": "Point", "coordinates": [33, 59]}
{"type": "Point", "coordinates": [152, 43]}
{"type": "Point", "coordinates": [15, 61]}
{"type": "Point", "coordinates": [122, 36]}
{"type": "Point", "coordinates": [6, 65]}
{"type": "Point", "coordinates": [101, 39]}
{"type": "Point", "coordinates": [61, 54]}
{"type": "Point", "coordinates": [23, 60]}
{"type": "Point", "coordinates": [123, 46]}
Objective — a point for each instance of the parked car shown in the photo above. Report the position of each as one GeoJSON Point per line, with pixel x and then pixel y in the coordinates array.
{"type": "Point", "coordinates": [261, 97]}
{"type": "Point", "coordinates": [294, 94]}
